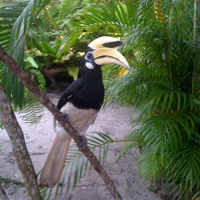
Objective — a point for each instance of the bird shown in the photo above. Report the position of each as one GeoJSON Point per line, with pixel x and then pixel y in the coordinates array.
{"type": "Point", "coordinates": [81, 102]}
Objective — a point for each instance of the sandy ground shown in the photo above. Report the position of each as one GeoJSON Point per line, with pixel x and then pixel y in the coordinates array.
{"type": "Point", "coordinates": [113, 121]}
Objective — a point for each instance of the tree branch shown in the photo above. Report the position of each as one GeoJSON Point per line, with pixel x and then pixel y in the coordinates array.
{"type": "Point", "coordinates": [23, 77]}
{"type": "Point", "coordinates": [20, 151]}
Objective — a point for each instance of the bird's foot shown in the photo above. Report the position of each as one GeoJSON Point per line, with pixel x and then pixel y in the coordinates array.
{"type": "Point", "coordinates": [64, 117]}
{"type": "Point", "coordinates": [83, 144]}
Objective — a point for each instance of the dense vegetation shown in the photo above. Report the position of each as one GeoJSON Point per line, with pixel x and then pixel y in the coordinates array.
{"type": "Point", "coordinates": [159, 45]}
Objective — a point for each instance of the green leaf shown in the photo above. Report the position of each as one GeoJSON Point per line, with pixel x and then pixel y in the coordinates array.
{"type": "Point", "coordinates": [19, 32]}
{"type": "Point", "coordinates": [46, 47]}
{"type": "Point", "coordinates": [73, 71]}
{"type": "Point", "coordinates": [32, 62]}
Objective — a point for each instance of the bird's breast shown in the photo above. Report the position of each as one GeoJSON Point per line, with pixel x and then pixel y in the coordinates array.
{"type": "Point", "coordinates": [80, 119]}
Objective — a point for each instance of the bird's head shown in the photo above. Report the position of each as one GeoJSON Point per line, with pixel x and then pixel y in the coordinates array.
{"type": "Point", "coordinates": [103, 51]}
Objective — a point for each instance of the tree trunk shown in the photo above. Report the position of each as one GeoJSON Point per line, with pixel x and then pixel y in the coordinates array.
{"type": "Point", "coordinates": [196, 68]}
{"type": "Point", "coordinates": [23, 77]}
{"type": "Point", "coordinates": [22, 157]}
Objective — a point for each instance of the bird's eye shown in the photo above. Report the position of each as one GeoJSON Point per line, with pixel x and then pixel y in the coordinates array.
{"type": "Point", "coordinates": [88, 56]}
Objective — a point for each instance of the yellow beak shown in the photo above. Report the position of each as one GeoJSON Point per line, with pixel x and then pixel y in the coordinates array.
{"type": "Point", "coordinates": [105, 56]}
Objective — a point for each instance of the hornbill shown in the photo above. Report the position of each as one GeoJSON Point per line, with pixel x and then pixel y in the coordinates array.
{"type": "Point", "coordinates": [81, 102]}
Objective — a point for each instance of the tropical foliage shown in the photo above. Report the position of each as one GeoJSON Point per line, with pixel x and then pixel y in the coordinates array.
{"type": "Point", "coordinates": [15, 42]}
{"type": "Point", "coordinates": [16, 21]}
{"type": "Point", "coordinates": [159, 43]}
{"type": "Point", "coordinates": [46, 52]}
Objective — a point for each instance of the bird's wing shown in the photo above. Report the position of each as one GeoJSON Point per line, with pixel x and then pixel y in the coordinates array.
{"type": "Point", "coordinates": [70, 91]}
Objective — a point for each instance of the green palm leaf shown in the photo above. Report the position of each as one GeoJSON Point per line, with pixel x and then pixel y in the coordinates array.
{"type": "Point", "coordinates": [185, 168]}
{"type": "Point", "coordinates": [196, 196]}
{"type": "Point", "coordinates": [119, 15]}
{"type": "Point", "coordinates": [16, 45]}
{"type": "Point", "coordinates": [8, 15]}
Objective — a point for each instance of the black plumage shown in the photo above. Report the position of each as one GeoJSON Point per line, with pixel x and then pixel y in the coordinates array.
{"type": "Point", "coordinates": [87, 92]}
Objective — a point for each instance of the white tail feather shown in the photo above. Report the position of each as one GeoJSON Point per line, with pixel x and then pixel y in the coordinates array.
{"type": "Point", "coordinates": [53, 167]}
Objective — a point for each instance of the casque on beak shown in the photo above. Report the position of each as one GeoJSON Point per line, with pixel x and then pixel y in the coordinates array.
{"type": "Point", "coordinates": [105, 56]}
{"type": "Point", "coordinates": [105, 51]}
{"type": "Point", "coordinates": [105, 42]}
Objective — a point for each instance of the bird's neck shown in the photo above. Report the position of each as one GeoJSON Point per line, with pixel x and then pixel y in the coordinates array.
{"type": "Point", "coordinates": [92, 76]}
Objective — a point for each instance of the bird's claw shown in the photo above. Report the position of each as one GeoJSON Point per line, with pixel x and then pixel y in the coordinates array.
{"type": "Point", "coordinates": [82, 146]}
{"type": "Point", "coordinates": [64, 117]}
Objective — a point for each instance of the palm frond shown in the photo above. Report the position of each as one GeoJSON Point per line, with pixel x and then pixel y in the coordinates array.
{"type": "Point", "coordinates": [196, 196]}
{"type": "Point", "coordinates": [76, 165]}
{"type": "Point", "coordinates": [8, 15]}
{"type": "Point", "coordinates": [170, 136]}
{"type": "Point", "coordinates": [112, 14]}
{"type": "Point", "coordinates": [67, 7]}
{"type": "Point", "coordinates": [32, 111]}
{"type": "Point", "coordinates": [132, 141]}
{"type": "Point", "coordinates": [159, 88]}
{"type": "Point", "coordinates": [185, 169]}
{"type": "Point", "coordinates": [16, 46]}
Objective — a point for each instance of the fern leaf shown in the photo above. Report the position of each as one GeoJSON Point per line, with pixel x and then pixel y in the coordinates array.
{"type": "Point", "coordinates": [32, 111]}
